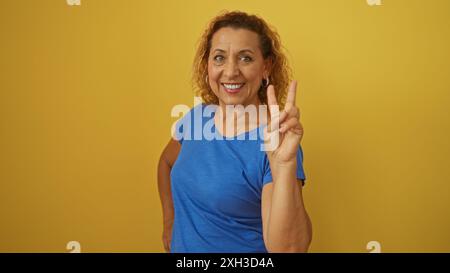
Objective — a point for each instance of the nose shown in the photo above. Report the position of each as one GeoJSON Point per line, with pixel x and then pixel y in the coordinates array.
{"type": "Point", "coordinates": [231, 70]}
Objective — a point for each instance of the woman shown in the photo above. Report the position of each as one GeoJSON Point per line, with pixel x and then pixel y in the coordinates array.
{"type": "Point", "coordinates": [225, 194]}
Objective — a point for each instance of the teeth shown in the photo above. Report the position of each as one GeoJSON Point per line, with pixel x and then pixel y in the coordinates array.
{"type": "Point", "coordinates": [232, 86]}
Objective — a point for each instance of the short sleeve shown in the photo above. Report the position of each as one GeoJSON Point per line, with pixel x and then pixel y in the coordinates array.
{"type": "Point", "coordinates": [267, 178]}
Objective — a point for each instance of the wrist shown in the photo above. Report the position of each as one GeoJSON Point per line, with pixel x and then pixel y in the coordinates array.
{"type": "Point", "coordinates": [283, 168]}
{"type": "Point", "coordinates": [283, 164]}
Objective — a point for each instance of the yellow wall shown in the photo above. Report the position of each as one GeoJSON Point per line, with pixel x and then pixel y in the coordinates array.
{"type": "Point", "coordinates": [86, 93]}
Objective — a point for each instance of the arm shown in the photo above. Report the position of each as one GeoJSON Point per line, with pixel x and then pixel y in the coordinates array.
{"type": "Point", "coordinates": [286, 224]}
{"type": "Point", "coordinates": [166, 161]}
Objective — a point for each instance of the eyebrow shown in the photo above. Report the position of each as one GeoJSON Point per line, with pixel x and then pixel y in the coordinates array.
{"type": "Point", "coordinates": [240, 51]}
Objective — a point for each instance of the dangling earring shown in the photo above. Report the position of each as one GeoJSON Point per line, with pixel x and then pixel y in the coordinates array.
{"type": "Point", "coordinates": [266, 82]}
{"type": "Point", "coordinates": [206, 79]}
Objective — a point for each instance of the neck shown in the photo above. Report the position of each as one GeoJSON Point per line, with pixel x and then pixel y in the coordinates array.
{"type": "Point", "coordinates": [236, 119]}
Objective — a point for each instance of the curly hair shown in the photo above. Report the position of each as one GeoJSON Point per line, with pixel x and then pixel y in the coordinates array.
{"type": "Point", "coordinates": [270, 46]}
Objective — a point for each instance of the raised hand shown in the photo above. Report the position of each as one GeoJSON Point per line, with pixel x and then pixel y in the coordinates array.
{"type": "Point", "coordinates": [284, 129]}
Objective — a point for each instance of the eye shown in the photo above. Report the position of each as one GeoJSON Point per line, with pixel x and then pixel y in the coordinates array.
{"type": "Point", "coordinates": [246, 59]}
{"type": "Point", "coordinates": [218, 58]}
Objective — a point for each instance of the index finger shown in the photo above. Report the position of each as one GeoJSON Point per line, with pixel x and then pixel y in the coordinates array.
{"type": "Point", "coordinates": [290, 100]}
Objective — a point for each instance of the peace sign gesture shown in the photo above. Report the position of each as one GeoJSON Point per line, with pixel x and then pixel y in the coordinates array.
{"type": "Point", "coordinates": [284, 132]}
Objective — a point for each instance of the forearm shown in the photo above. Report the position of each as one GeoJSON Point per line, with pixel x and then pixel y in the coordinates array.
{"type": "Point", "coordinates": [289, 227]}
{"type": "Point", "coordinates": [165, 192]}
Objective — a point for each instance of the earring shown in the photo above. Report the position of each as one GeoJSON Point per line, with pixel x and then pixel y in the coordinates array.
{"type": "Point", "coordinates": [266, 82]}
{"type": "Point", "coordinates": [206, 79]}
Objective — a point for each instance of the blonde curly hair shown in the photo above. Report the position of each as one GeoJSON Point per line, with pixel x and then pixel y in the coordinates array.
{"type": "Point", "coordinates": [270, 45]}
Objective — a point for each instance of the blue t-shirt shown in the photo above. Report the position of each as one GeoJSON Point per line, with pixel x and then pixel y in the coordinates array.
{"type": "Point", "coordinates": [217, 186]}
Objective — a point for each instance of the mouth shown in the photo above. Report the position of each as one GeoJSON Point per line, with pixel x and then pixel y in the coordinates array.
{"type": "Point", "coordinates": [233, 88]}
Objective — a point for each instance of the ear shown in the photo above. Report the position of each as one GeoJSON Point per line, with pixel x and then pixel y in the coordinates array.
{"type": "Point", "coordinates": [267, 67]}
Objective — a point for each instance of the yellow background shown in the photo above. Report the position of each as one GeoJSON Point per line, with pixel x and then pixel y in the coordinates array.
{"type": "Point", "coordinates": [86, 94]}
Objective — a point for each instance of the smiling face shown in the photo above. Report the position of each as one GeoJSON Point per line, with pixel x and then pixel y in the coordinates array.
{"type": "Point", "coordinates": [236, 66]}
